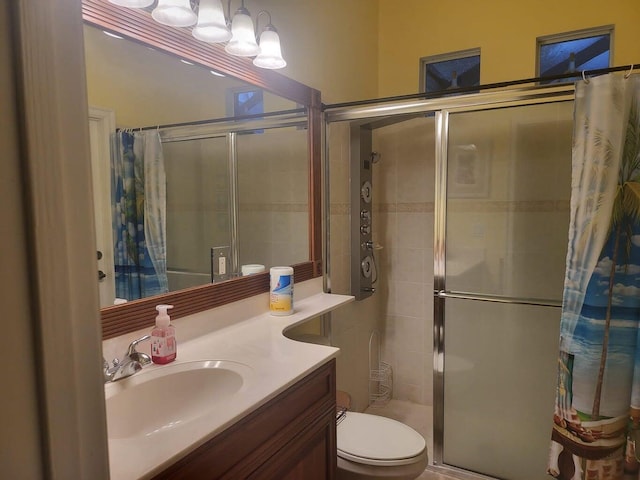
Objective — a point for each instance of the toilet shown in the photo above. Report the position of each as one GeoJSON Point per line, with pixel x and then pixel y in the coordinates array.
{"type": "Point", "coordinates": [372, 446]}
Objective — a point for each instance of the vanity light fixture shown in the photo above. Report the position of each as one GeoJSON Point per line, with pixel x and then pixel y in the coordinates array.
{"type": "Point", "coordinates": [212, 26]}
{"type": "Point", "coordinates": [174, 13]}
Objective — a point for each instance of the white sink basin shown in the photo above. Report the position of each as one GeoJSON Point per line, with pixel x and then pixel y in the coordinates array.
{"type": "Point", "coordinates": [160, 399]}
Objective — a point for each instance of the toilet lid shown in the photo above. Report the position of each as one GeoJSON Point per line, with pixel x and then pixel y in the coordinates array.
{"type": "Point", "coordinates": [375, 440]}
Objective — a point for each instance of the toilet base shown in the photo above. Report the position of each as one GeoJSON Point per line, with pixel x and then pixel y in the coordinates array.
{"type": "Point", "coordinates": [348, 470]}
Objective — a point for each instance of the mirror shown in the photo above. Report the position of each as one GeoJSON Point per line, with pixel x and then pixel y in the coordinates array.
{"type": "Point", "coordinates": [136, 78]}
{"type": "Point", "coordinates": [236, 191]}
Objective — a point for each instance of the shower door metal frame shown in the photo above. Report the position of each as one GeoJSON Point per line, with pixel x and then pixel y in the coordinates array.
{"type": "Point", "coordinates": [440, 289]}
{"type": "Point", "coordinates": [443, 107]}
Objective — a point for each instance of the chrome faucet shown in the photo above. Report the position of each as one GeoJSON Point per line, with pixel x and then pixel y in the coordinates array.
{"type": "Point", "coordinates": [130, 363]}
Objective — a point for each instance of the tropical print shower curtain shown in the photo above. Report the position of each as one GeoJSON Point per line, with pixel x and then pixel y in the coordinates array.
{"type": "Point", "coordinates": [138, 203]}
{"type": "Point", "coordinates": [597, 410]}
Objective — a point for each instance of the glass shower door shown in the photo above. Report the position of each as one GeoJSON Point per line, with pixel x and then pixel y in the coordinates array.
{"type": "Point", "coordinates": [197, 207]}
{"type": "Point", "coordinates": [507, 216]}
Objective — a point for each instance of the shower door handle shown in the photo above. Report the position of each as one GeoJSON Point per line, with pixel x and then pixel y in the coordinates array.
{"type": "Point", "coordinates": [540, 302]}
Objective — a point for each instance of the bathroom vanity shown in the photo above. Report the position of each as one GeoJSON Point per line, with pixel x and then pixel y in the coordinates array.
{"type": "Point", "coordinates": [241, 401]}
{"type": "Point", "coordinates": [291, 437]}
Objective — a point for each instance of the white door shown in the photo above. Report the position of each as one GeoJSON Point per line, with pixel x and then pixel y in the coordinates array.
{"type": "Point", "coordinates": [101, 124]}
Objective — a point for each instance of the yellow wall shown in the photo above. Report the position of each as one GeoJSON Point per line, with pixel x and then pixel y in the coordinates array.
{"type": "Point", "coordinates": [359, 49]}
{"type": "Point", "coordinates": [505, 31]}
{"type": "Point", "coordinates": [330, 45]}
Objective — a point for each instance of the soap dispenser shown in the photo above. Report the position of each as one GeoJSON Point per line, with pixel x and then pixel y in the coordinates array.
{"type": "Point", "coordinates": [163, 337]}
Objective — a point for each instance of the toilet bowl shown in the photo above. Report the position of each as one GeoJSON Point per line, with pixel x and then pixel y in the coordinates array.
{"type": "Point", "coordinates": [371, 446]}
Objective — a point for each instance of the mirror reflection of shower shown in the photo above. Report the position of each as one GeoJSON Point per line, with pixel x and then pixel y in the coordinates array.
{"type": "Point", "coordinates": [239, 190]}
{"type": "Point", "coordinates": [236, 196]}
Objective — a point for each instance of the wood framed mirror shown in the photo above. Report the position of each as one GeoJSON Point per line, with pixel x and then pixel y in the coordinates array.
{"type": "Point", "coordinates": [138, 26]}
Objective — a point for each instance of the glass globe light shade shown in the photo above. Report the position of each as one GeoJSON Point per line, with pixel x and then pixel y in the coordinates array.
{"type": "Point", "coordinates": [212, 26]}
{"type": "Point", "coordinates": [243, 39]}
{"type": "Point", "coordinates": [175, 13]}
{"type": "Point", "coordinates": [270, 55]}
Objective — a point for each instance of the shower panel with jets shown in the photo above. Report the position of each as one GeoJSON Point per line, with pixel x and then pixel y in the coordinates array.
{"type": "Point", "coordinates": [363, 265]}
{"type": "Point", "coordinates": [500, 210]}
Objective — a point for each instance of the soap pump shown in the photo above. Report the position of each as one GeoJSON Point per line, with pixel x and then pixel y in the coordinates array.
{"type": "Point", "coordinates": [163, 337]}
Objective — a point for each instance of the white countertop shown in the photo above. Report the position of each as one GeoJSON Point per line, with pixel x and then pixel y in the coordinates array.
{"type": "Point", "coordinates": [257, 341]}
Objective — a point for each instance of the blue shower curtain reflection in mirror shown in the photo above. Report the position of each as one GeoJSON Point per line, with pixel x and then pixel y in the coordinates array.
{"type": "Point", "coordinates": [138, 204]}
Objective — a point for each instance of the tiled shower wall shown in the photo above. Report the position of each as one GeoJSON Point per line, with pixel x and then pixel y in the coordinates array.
{"type": "Point", "coordinates": [402, 307]}
{"type": "Point", "coordinates": [403, 187]}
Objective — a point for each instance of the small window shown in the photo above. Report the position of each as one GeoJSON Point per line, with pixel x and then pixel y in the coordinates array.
{"type": "Point", "coordinates": [247, 102]}
{"type": "Point", "coordinates": [450, 70]}
{"type": "Point", "coordinates": [574, 52]}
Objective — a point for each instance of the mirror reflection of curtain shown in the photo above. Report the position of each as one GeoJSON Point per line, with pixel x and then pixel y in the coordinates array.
{"type": "Point", "coordinates": [138, 203]}
{"type": "Point", "coordinates": [597, 412]}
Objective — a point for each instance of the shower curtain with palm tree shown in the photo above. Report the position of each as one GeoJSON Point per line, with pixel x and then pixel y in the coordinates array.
{"type": "Point", "coordinates": [138, 203]}
{"type": "Point", "coordinates": [597, 410]}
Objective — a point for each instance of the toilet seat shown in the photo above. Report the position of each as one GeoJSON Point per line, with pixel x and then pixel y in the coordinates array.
{"type": "Point", "coordinates": [375, 440]}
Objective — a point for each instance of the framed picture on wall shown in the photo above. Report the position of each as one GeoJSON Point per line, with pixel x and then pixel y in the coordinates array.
{"type": "Point", "coordinates": [468, 172]}
{"type": "Point", "coordinates": [450, 71]}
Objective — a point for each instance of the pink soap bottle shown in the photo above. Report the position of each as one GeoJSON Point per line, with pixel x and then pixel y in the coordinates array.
{"type": "Point", "coordinates": [163, 338]}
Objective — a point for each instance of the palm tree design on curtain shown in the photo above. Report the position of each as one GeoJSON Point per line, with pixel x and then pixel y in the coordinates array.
{"type": "Point", "coordinates": [625, 213]}
{"type": "Point", "coordinates": [597, 418]}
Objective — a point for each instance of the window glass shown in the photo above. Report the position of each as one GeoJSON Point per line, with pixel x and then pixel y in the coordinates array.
{"type": "Point", "coordinates": [248, 102]}
{"type": "Point", "coordinates": [566, 53]}
{"type": "Point", "coordinates": [451, 70]}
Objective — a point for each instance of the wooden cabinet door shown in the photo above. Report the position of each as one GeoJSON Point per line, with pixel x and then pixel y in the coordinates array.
{"type": "Point", "coordinates": [293, 436]}
{"type": "Point", "coordinates": [309, 456]}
